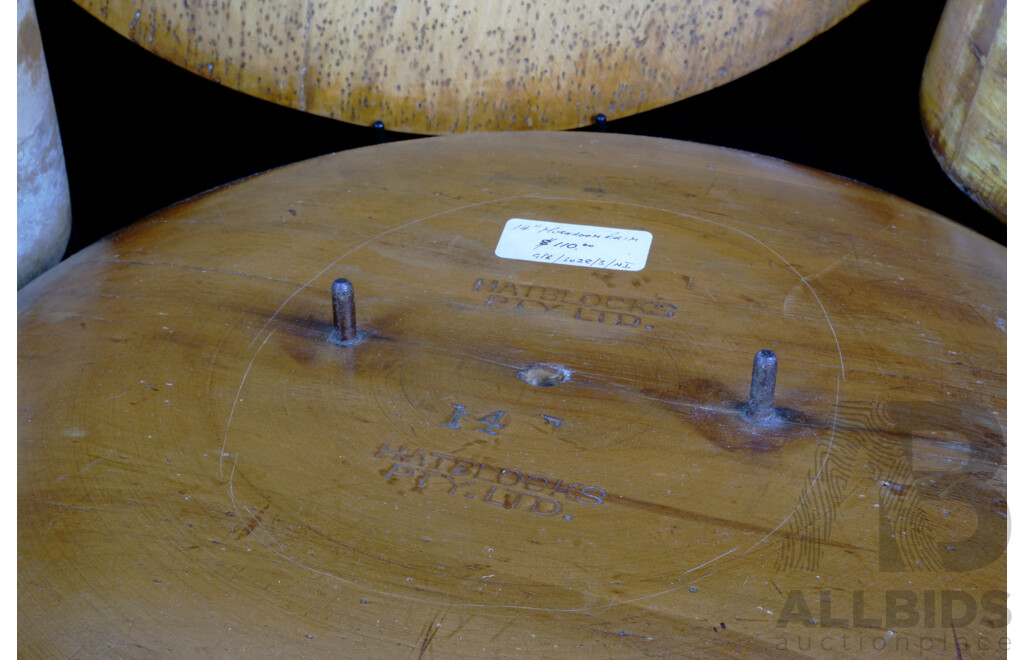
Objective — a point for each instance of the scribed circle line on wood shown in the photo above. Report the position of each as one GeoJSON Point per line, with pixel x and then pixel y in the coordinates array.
{"type": "Point", "coordinates": [897, 318]}
{"type": "Point", "coordinates": [682, 214]}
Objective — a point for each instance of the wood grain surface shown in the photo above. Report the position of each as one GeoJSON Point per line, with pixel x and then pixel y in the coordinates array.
{"type": "Point", "coordinates": [201, 471]}
{"type": "Point", "coordinates": [427, 67]}
{"type": "Point", "coordinates": [963, 99]}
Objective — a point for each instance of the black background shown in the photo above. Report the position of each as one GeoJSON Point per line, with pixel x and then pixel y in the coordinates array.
{"type": "Point", "coordinates": [140, 134]}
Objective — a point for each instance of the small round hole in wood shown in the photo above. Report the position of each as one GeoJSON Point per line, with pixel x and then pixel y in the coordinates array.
{"type": "Point", "coordinates": [544, 375]}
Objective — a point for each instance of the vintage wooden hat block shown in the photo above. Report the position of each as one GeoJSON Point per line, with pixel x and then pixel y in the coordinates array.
{"type": "Point", "coordinates": [534, 433]}
{"type": "Point", "coordinates": [458, 66]}
{"type": "Point", "coordinates": [963, 99]}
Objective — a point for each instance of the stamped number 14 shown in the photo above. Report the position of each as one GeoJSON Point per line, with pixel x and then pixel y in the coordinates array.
{"type": "Point", "coordinates": [492, 422]}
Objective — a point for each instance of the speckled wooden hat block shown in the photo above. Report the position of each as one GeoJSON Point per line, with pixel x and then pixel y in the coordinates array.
{"type": "Point", "coordinates": [451, 67]}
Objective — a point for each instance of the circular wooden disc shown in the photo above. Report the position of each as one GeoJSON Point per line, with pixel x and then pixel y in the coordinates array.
{"type": "Point", "coordinates": [520, 456]}
{"type": "Point", "coordinates": [456, 67]}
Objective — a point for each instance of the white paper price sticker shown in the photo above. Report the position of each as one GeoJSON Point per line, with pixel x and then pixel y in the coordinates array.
{"type": "Point", "coordinates": [574, 245]}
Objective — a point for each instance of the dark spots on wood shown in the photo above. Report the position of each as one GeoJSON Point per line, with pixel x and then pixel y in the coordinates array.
{"type": "Point", "coordinates": [591, 58]}
{"type": "Point", "coordinates": [250, 525]}
{"type": "Point", "coordinates": [428, 637]}
{"type": "Point", "coordinates": [640, 281]}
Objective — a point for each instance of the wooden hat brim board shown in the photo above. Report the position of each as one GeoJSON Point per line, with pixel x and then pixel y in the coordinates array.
{"type": "Point", "coordinates": [454, 67]}
{"type": "Point", "coordinates": [963, 99]}
{"type": "Point", "coordinates": [202, 470]}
